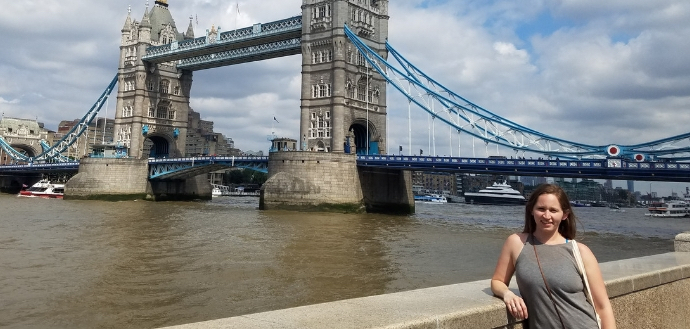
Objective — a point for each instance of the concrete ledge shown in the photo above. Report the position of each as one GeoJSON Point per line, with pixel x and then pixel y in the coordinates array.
{"type": "Point", "coordinates": [682, 242]}
{"type": "Point", "coordinates": [472, 305]}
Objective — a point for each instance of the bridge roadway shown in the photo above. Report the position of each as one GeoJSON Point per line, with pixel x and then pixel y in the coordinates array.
{"type": "Point", "coordinates": [182, 168]}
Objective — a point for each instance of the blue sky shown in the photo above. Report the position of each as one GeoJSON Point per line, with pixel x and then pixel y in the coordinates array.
{"type": "Point", "coordinates": [589, 71]}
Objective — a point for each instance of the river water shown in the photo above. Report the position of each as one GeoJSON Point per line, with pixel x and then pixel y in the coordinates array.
{"type": "Point", "coordinates": [91, 264]}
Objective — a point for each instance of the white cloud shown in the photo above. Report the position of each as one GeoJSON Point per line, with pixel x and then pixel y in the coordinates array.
{"type": "Point", "coordinates": [598, 72]}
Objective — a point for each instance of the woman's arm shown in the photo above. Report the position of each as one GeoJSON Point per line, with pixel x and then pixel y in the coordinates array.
{"type": "Point", "coordinates": [502, 275]}
{"type": "Point", "coordinates": [596, 284]}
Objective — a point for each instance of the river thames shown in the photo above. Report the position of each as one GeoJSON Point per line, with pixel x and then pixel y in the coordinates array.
{"type": "Point", "coordinates": [91, 264]}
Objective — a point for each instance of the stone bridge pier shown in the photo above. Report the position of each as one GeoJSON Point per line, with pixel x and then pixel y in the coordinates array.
{"type": "Point", "coordinates": [320, 181]}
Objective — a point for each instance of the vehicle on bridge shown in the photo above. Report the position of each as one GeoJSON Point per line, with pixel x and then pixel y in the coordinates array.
{"type": "Point", "coordinates": [44, 189]}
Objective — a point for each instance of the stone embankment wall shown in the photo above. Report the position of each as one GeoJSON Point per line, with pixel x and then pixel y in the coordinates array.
{"type": "Point", "coordinates": [646, 292]}
{"type": "Point", "coordinates": [127, 179]}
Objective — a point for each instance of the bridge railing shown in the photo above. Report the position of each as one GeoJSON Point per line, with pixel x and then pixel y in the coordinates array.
{"type": "Point", "coordinates": [523, 162]}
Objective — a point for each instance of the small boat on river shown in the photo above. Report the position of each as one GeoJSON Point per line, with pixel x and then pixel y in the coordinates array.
{"type": "Point", "coordinates": [431, 198]}
{"type": "Point", "coordinates": [44, 189]}
{"type": "Point", "coordinates": [498, 194]}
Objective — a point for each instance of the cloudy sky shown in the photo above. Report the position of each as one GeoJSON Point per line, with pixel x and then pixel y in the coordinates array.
{"type": "Point", "coordinates": [594, 72]}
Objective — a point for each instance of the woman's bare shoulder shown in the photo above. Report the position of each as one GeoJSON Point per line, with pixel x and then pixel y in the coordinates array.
{"type": "Point", "coordinates": [517, 239]}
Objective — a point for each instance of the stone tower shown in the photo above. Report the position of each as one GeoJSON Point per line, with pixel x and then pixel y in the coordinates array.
{"type": "Point", "coordinates": [342, 96]}
{"type": "Point", "coordinates": [152, 99]}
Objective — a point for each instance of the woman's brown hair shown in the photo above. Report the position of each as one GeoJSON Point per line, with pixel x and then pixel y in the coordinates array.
{"type": "Point", "coordinates": [567, 228]}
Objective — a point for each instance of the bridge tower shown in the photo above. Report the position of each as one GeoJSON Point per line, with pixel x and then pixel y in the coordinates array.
{"type": "Point", "coordinates": [342, 97]}
{"type": "Point", "coordinates": [152, 99]}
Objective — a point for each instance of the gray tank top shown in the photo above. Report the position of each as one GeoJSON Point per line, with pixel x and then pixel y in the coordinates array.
{"type": "Point", "coordinates": [567, 287]}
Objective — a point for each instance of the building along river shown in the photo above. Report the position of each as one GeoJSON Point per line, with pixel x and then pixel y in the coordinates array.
{"type": "Point", "coordinates": [91, 264]}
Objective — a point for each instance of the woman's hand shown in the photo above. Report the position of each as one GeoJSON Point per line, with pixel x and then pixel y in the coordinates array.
{"type": "Point", "coordinates": [516, 306]}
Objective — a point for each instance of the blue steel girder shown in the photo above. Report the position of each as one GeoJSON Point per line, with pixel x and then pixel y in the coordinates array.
{"type": "Point", "coordinates": [465, 116]}
{"type": "Point", "coordinates": [254, 36]}
{"type": "Point", "coordinates": [41, 167]}
{"type": "Point", "coordinates": [592, 169]}
{"type": "Point", "coordinates": [243, 55]}
{"type": "Point", "coordinates": [14, 154]}
{"type": "Point", "coordinates": [53, 153]}
{"type": "Point", "coordinates": [184, 168]}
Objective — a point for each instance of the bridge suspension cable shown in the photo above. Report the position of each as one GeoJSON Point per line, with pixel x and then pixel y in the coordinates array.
{"type": "Point", "coordinates": [465, 116]}
{"type": "Point", "coordinates": [54, 153]}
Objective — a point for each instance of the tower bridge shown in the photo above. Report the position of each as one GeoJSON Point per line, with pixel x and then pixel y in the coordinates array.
{"type": "Point", "coordinates": [343, 112]}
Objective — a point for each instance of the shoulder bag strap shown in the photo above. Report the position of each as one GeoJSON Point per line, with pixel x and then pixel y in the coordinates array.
{"type": "Point", "coordinates": [583, 272]}
{"type": "Point", "coordinates": [546, 284]}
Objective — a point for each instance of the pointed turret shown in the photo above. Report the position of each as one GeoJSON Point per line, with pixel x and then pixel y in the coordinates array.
{"type": "Point", "coordinates": [145, 26]}
{"type": "Point", "coordinates": [146, 21]}
{"type": "Point", "coordinates": [128, 21]}
{"type": "Point", "coordinates": [190, 29]}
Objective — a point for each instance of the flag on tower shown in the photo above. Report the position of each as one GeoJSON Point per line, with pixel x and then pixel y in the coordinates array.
{"type": "Point", "coordinates": [276, 120]}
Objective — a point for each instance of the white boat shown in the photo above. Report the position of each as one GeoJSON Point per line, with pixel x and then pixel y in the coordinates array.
{"type": "Point", "coordinates": [44, 189]}
{"type": "Point", "coordinates": [669, 209]}
{"type": "Point", "coordinates": [216, 192]}
{"type": "Point", "coordinates": [498, 193]}
{"type": "Point", "coordinates": [431, 198]}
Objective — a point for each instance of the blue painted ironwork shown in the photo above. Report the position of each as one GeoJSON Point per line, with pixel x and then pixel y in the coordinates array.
{"type": "Point", "coordinates": [31, 168]}
{"type": "Point", "coordinates": [243, 55]}
{"type": "Point", "coordinates": [60, 158]}
{"type": "Point", "coordinates": [620, 169]}
{"type": "Point", "coordinates": [14, 154]}
{"type": "Point", "coordinates": [484, 125]}
{"type": "Point", "coordinates": [183, 168]}
{"type": "Point", "coordinates": [53, 153]}
{"type": "Point", "coordinates": [274, 39]}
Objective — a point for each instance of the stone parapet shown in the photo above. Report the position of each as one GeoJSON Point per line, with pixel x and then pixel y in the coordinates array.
{"type": "Point", "coordinates": [682, 242]}
{"type": "Point", "coordinates": [645, 292]}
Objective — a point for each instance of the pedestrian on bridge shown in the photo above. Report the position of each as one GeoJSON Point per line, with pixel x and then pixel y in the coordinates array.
{"type": "Point", "coordinates": [560, 282]}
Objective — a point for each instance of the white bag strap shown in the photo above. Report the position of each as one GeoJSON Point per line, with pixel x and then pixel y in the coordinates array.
{"type": "Point", "coordinates": [583, 272]}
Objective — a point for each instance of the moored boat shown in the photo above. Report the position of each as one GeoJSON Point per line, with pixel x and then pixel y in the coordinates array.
{"type": "Point", "coordinates": [669, 209]}
{"type": "Point", "coordinates": [430, 198]}
{"type": "Point", "coordinates": [498, 194]}
{"type": "Point", "coordinates": [44, 189]}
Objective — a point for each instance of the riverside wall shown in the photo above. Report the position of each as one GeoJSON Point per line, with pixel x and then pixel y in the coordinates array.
{"type": "Point", "coordinates": [114, 179]}
{"type": "Point", "coordinates": [646, 292]}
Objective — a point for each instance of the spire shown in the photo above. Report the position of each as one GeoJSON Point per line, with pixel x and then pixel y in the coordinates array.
{"type": "Point", "coordinates": [128, 22]}
{"type": "Point", "coordinates": [190, 29]}
{"type": "Point", "coordinates": [145, 21]}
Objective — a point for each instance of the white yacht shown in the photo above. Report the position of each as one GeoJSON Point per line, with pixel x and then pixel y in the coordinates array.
{"type": "Point", "coordinates": [498, 193]}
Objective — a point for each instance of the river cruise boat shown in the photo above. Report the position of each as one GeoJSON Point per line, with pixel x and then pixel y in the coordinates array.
{"type": "Point", "coordinates": [44, 189]}
{"type": "Point", "coordinates": [669, 209]}
{"type": "Point", "coordinates": [431, 198]}
{"type": "Point", "coordinates": [498, 194]}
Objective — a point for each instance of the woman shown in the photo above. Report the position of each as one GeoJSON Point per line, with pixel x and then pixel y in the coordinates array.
{"type": "Point", "coordinates": [545, 246]}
